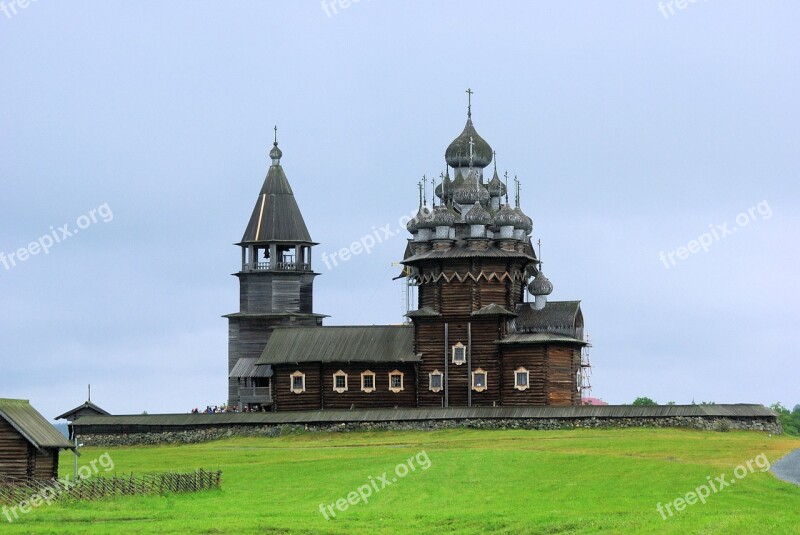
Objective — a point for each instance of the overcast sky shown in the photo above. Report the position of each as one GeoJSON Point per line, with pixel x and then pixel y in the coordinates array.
{"type": "Point", "coordinates": [635, 131]}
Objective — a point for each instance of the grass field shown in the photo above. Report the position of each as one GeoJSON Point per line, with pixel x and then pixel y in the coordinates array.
{"type": "Point", "coordinates": [576, 481]}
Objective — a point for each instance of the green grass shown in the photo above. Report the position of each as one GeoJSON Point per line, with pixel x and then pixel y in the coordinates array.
{"type": "Point", "coordinates": [577, 481]}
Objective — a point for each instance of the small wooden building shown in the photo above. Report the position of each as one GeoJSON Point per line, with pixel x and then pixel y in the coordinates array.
{"type": "Point", "coordinates": [85, 409]}
{"type": "Point", "coordinates": [29, 444]}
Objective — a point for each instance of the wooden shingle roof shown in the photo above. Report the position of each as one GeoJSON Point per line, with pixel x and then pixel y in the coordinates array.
{"type": "Point", "coordinates": [30, 424]}
{"type": "Point", "coordinates": [373, 343]}
{"type": "Point", "coordinates": [557, 317]}
{"type": "Point", "coordinates": [276, 216]}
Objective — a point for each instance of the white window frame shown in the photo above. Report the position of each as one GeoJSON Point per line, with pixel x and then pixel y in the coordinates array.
{"type": "Point", "coordinates": [476, 388]}
{"type": "Point", "coordinates": [394, 388]}
{"type": "Point", "coordinates": [527, 384]}
{"type": "Point", "coordinates": [340, 389]}
{"type": "Point", "coordinates": [461, 361]}
{"type": "Point", "coordinates": [438, 374]}
{"type": "Point", "coordinates": [371, 388]}
{"type": "Point", "coordinates": [292, 377]}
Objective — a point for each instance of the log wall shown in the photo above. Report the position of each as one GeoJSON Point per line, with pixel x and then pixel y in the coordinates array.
{"type": "Point", "coordinates": [286, 400]}
{"type": "Point", "coordinates": [13, 452]}
{"type": "Point", "coordinates": [355, 398]}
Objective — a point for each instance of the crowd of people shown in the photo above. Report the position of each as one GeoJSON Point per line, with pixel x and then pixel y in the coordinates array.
{"type": "Point", "coordinates": [216, 409]}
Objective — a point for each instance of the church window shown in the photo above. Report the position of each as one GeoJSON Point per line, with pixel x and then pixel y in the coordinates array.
{"type": "Point", "coordinates": [340, 382]}
{"type": "Point", "coordinates": [368, 381]}
{"type": "Point", "coordinates": [521, 378]}
{"type": "Point", "coordinates": [479, 380]}
{"type": "Point", "coordinates": [435, 380]}
{"type": "Point", "coordinates": [396, 381]}
{"type": "Point", "coordinates": [298, 382]}
{"type": "Point", "coordinates": [459, 354]}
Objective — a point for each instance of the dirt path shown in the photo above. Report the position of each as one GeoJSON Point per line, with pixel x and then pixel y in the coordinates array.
{"type": "Point", "coordinates": [788, 468]}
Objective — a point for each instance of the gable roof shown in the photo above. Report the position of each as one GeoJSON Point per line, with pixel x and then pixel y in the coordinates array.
{"type": "Point", "coordinates": [32, 425]}
{"type": "Point", "coordinates": [276, 216]}
{"type": "Point", "coordinates": [86, 405]}
{"type": "Point", "coordinates": [557, 317]}
{"type": "Point", "coordinates": [373, 343]}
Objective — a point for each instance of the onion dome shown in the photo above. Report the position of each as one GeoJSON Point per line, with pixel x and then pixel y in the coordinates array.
{"type": "Point", "coordinates": [442, 217]}
{"type": "Point", "coordinates": [496, 186]}
{"type": "Point", "coordinates": [471, 190]}
{"type": "Point", "coordinates": [507, 217]}
{"type": "Point", "coordinates": [445, 190]}
{"type": "Point", "coordinates": [413, 224]}
{"type": "Point", "coordinates": [421, 220]}
{"type": "Point", "coordinates": [540, 285]}
{"type": "Point", "coordinates": [527, 225]}
{"type": "Point", "coordinates": [477, 215]}
{"type": "Point", "coordinates": [458, 180]}
{"type": "Point", "coordinates": [275, 154]}
{"type": "Point", "coordinates": [457, 154]}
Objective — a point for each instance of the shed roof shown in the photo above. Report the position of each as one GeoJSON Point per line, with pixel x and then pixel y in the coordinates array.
{"type": "Point", "coordinates": [32, 425]}
{"type": "Point", "coordinates": [246, 367]}
{"type": "Point", "coordinates": [373, 343]}
{"type": "Point", "coordinates": [83, 406]}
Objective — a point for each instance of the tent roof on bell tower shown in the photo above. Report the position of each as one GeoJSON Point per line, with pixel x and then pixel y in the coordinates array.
{"type": "Point", "coordinates": [276, 216]}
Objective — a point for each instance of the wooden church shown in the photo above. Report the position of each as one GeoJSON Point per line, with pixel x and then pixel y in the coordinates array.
{"type": "Point", "coordinates": [475, 338]}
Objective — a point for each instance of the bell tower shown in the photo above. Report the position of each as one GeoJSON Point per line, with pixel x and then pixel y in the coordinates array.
{"type": "Point", "coordinates": [276, 283]}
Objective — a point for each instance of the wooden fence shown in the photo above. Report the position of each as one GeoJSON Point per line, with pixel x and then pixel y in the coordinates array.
{"type": "Point", "coordinates": [98, 487]}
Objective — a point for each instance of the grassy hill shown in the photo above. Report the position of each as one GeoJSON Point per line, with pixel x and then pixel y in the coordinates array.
{"type": "Point", "coordinates": [463, 481]}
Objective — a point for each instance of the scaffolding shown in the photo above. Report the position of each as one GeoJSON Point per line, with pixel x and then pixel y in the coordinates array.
{"type": "Point", "coordinates": [584, 376]}
{"type": "Point", "coordinates": [408, 291]}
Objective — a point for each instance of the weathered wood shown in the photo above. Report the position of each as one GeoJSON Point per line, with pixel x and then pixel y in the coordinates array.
{"type": "Point", "coordinates": [21, 459]}
{"type": "Point", "coordinates": [14, 456]}
{"type": "Point", "coordinates": [355, 398]}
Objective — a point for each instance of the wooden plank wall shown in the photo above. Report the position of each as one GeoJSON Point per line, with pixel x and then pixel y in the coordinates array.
{"type": "Point", "coordinates": [380, 397]}
{"type": "Point", "coordinates": [534, 359]}
{"type": "Point", "coordinates": [45, 464]}
{"type": "Point", "coordinates": [562, 375]}
{"type": "Point", "coordinates": [286, 400]}
{"type": "Point", "coordinates": [276, 291]}
{"type": "Point", "coordinates": [13, 452]}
